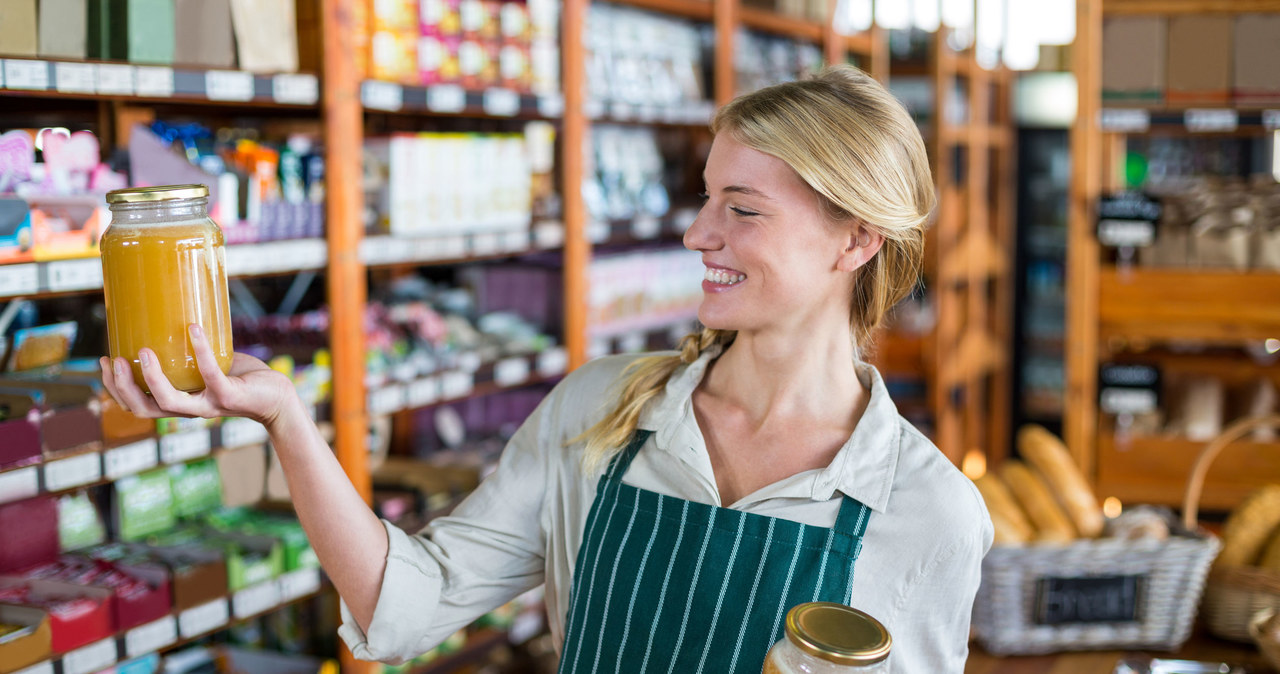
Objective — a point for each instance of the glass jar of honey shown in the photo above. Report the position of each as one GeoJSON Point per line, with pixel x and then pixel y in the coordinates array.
{"type": "Point", "coordinates": [827, 638]}
{"type": "Point", "coordinates": [163, 268]}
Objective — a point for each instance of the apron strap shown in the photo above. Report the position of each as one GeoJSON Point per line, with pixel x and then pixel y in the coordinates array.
{"type": "Point", "coordinates": [853, 518]}
{"type": "Point", "coordinates": [622, 460]}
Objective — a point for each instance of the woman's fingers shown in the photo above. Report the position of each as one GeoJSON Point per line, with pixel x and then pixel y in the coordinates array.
{"type": "Point", "coordinates": [214, 381]}
{"type": "Point", "coordinates": [129, 393]}
{"type": "Point", "coordinates": [167, 397]}
{"type": "Point", "coordinates": [109, 381]}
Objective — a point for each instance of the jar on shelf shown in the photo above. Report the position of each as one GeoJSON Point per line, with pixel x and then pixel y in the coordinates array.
{"type": "Point", "coordinates": [164, 268]}
{"type": "Point", "coordinates": [828, 638]}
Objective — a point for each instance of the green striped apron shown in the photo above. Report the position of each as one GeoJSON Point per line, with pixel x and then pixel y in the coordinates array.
{"type": "Point", "coordinates": [668, 585]}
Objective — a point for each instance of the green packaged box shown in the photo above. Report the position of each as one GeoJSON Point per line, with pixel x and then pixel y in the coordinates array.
{"type": "Point", "coordinates": [143, 505]}
{"type": "Point", "coordinates": [140, 31]}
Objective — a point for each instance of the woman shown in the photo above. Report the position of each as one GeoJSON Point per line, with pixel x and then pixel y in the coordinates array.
{"type": "Point", "coordinates": [677, 505]}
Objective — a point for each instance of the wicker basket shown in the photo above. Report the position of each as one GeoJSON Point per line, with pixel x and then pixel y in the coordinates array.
{"type": "Point", "coordinates": [1266, 640]}
{"type": "Point", "coordinates": [1235, 594]}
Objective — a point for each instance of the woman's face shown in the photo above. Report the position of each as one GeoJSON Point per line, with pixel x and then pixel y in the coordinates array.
{"type": "Point", "coordinates": [772, 258]}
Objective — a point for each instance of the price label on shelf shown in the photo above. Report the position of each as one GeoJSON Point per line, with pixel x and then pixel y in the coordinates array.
{"type": "Point", "coordinates": [645, 226]}
{"type": "Point", "coordinates": [151, 637]}
{"type": "Point", "coordinates": [1271, 119]}
{"type": "Point", "coordinates": [485, 244]}
{"type": "Point", "coordinates": [594, 109]}
{"type": "Point", "coordinates": [1118, 233]}
{"type": "Point", "coordinates": [45, 667]}
{"type": "Point", "coordinates": [130, 459]}
{"type": "Point", "coordinates": [1127, 401]}
{"type": "Point", "coordinates": [228, 85]}
{"type": "Point", "coordinates": [24, 74]}
{"type": "Point", "coordinates": [622, 112]}
{"type": "Point", "coordinates": [19, 484]}
{"type": "Point", "coordinates": [379, 249]}
{"type": "Point", "coordinates": [501, 102]}
{"type": "Point", "coordinates": [73, 472]}
{"type": "Point", "coordinates": [91, 658]}
{"type": "Point", "coordinates": [68, 275]}
{"type": "Point", "coordinates": [632, 342]}
{"type": "Point", "coordinates": [75, 78]}
{"type": "Point", "coordinates": [469, 361]}
{"type": "Point", "coordinates": [551, 105]}
{"type": "Point", "coordinates": [295, 89]}
{"type": "Point", "coordinates": [548, 235]}
{"type": "Point", "coordinates": [255, 599]}
{"type": "Point", "coordinates": [1208, 121]}
{"type": "Point", "coordinates": [597, 231]}
{"type": "Point", "coordinates": [452, 247]}
{"type": "Point", "coordinates": [1128, 389]}
{"type": "Point", "coordinates": [241, 432]}
{"type": "Point", "coordinates": [377, 95]}
{"type": "Point", "coordinates": [184, 446]}
{"type": "Point", "coordinates": [153, 81]}
{"type": "Point", "coordinates": [446, 98]}
{"type": "Point", "coordinates": [515, 242]}
{"type": "Point", "coordinates": [597, 347]}
{"type": "Point", "coordinates": [647, 113]}
{"type": "Point", "coordinates": [300, 583]}
{"type": "Point", "coordinates": [1124, 120]}
{"type": "Point", "coordinates": [386, 400]}
{"type": "Point", "coordinates": [19, 279]}
{"type": "Point", "coordinates": [204, 618]}
{"type": "Point", "coordinates": [553, 362]}
{"type": "Point", "coordinates": [457, 384]}
{"type": "Point", "coordinates": [115, 79]}
{"type": "Point", "coordinates": [511, 371]}
{"type": "Point", "coordinates": [422, 392]}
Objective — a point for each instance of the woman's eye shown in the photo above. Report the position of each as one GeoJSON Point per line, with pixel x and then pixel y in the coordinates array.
{"type": "Point", "coordinates": [743, 212]}
{"type": "Point", "coordinates": [703, 196]}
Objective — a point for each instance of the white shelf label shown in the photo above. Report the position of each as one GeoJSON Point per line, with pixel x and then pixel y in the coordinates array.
{"type": "Point", "coordinates": [597, 231]}
{"type": "Point", "coordinates": [16, 485]}
{"type": "Point", "coordinates": [151, 637]}
{"type": "Point", "coordinates": [184, 446]}
{"type": "Point", "coordinates": [450, 248]}
{"type": "Point", "coordinates": [1127, 400]}
{"type": "Point", "coordinates": [45, 667]}
{"type": "Point", "coordinates": [447, 98]}
{"type": "Point", "coordinates": [244, 259]}
{"type": "Point", "coordinates": [91, 658]}
{"type": "Point", "coordinates": [485, 244]}
{"type": "Point", "coordinates": [1271, 119]}
{"type": "Point", "coordinates": [19, 279]}
{"type": "Point", "coordinates": [75, 275]}
{"type": "Point", "coordinates": [295, 89]}
{"type": "Point", "coordinates": [622, 112]}
{"type": "Point", "coordinates": [457, 385]}
{"type": "Point", "coordinates": [228, 85]}
{"type": "Point", "coordinates": [511, 371]}
{"type": "Point", "coordinates": [551, 105]}
{"type": "Point", "coordinates": [75, 78]}
{"type": "Point", "coordinates": [594, 109]}
{"type": "Point", "coordinates": [1122, 120]}
{"type": "Point", "coordinates": [152, 81]}
{"type": "Point", "coordinates": [515, 242]}
{"type": "Point", "coordinates": [647, 113]}
{"type": "Point", "coordinates": [548, 235]}
{"type": "Point", "coordinates": [203, 618]}
{"type": "Point", "coordinates": [379, 249]}
{"type": "Point", "coordinates": [597, 348]}
{"type": "Point", "coordinates": [386, 400]}
{"type": "Point", "coordinates": [632, 342]}
{"type": "Point", "coordinates": [501, 102]}
{"type": "Point", "coordinates": [241, 432]}
{"type": "Point", "coordinates": [73, 472]}
{"type": "Point", "coordinates": [646, 226]}
{"type": "Point", "coordinates": [115, 79]}
{"type": "Point", "coordinates": [378, 95]}
{"type": "Point", "coordinates": [1136, 233]}
{"type": "Point", "coordinates": [1203, 121]}
{"type": "Point", "coordinates": [300, 583]}
{"type": "Point", "coordinates": [256, 599]}
{"type": "Point", "coordinates": [422, 392]}
{"type": "Point", "coordinates": [553, 362]}
{"type": "Point", "coordinates": [23, 74]}
{"type": "Point", "coordinates": [469, 361]}
{"type": "Point", "coordinates": [130, 459]}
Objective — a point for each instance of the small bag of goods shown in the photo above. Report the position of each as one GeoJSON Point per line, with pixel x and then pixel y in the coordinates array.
{"type": "Point", "coordinates": [1061, 576]}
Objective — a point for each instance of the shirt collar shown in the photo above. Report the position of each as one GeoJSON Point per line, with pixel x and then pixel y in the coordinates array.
{"type": "Point", "coordinates": [863, 468]}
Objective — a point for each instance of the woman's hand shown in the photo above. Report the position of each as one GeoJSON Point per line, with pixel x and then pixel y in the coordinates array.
{"type": "Point", "coordinates": [250, 389]}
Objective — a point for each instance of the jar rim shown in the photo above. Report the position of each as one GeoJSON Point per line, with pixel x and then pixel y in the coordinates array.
{"type": "Point", "coordinates": [131, 195]}
{"type": "Point", "coordinates": [837, 633]}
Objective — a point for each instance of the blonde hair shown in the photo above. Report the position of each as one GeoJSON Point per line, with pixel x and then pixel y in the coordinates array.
{"type": "Point", "coordinates": [851, 141]}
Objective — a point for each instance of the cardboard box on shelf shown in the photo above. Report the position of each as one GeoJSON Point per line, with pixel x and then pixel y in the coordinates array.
{"type": "Point", "coordinates": [244, 474]}
{"type": "Point", "coordinates": [1133, 59]}
{"type": "Point", "coordinates": [30, 533]}
{"type": "Point", "coordinates": [139, 31]}
{"type": "Point", "coordinates": [1257, 51]}
{"type": "Point", "coordinates": [18, 28]}
{"type": "Point", "coordinates": [20, 429]}
{"type": "Point", "coordinates": [198, 574]}
{"type": "Point", "coordinates": [1199, 58]}
{"type": "Point", "coordinates": [29, 644]}
{"type": "Point", "coordinates": [64, 28]}
{"type": "Point", "coordinates": [67, 227]}
{"type": "Point", "coordinates": [140, 592]}
{"type": "Point", "coordinates": [204, 36]}
{"type": "Point", "coordinates": [78, 614]}
{"type": "Point", "coordinates": [266, 35]}
{"type": "Point", "coordinates": [68, 422]}
{"type": "Point", "coordinates": [17, 242]}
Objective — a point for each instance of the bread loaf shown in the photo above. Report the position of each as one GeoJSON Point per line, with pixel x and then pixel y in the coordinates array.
{"type": "Point", "coordinates": [1050, 457]}
{"type": "Point", "coordinates": [1249, 528]}
{"type": "Point", "coordinates": [1052, 524]}
{"type": "Point", "coordinates": [1010, 522]}
{"type": "Point", "coordinates": [1270, 559]}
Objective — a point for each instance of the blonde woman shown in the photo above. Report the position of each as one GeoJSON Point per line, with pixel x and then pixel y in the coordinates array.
{"type": "Point", "coordinates": [677, 505]}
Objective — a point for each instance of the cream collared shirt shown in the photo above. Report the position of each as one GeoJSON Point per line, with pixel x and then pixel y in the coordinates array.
{"type": "Point", "coordinates": [918, 571]}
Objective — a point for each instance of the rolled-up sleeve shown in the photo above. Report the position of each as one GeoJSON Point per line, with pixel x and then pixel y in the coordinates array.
{"type": "Point", "coordinates": [488, 551]}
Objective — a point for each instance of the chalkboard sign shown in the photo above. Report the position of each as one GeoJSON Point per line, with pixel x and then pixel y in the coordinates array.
{"type": "Point", "coordinates": [1128, 388]}
{"type": "Point", "coordinates": [1095, 599]}
{"type": "Point", "coordinates": [1128, 219]}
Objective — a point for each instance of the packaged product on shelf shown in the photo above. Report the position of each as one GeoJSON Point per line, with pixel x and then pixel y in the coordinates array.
{"type": "Point", "coordinates": [643, 59]}
{"type": "Point", "coordinates": [204, 34]}
{"type": "Point", "coordinates": [1198, 407]}
{"type": "Point", "coordinates": [637, 292]}
{"type": "Point", "coordinates": [16, 238]}
{"type": "Point", "coordinates": [266, 35]}
{"type": "Point", "coordinates": [20, 426]}
{"type": "Point", "coordinates": [25, 637]}
{"type": "Point", "coordinates": [1199, 58]}
{"type": "Point", "coordinates": [63, 29]}
{"type": "Point", "coordinates": [78, 614]}
{"type": "Point", "coordinates": [1129, 73]}
{"type": "Point", "coordinates": [70, 421]}
{"type": "Point", "coordinates": [142, 505]}
{"type": "Point", "coordinates": [198, 574]}
{"type": "Point", "coordinates": [1257, 399]}
{"type": "Point", "coordinates": [18, 31]}
{"type": "Point", "coordinates": [244, 474]}
{"type": "Point", "coordinates": [80, 524]}
{"type": "Point", "coordinates": [30, 533]}
{"type": "Point", "coordinates": [393, 43]}
{"type": "Point", "coordinates": [764, 60]}
{"type": "Point", "coordinates": [1257, 44]}
{"type": "Point", "coordinates": [138, 594]}
{"type": "Point", "coordinates": [140, 31]}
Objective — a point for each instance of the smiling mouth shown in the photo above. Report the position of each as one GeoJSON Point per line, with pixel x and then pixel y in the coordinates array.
{"type": "Point", "coordinates": [724, 278]}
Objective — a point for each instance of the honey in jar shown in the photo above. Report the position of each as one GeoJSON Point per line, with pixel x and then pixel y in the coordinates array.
{"type": "Point", "coordinates": [163, 268]}
{"type": "Point", "coordinates": [828, 638]}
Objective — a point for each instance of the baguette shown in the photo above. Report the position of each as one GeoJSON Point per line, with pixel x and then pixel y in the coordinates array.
{"type": "Point", "coordinates": [1249, 527]}
{"type": "Point", "coordinates": [1270, 559]}
{"type": "Point", "coordinates": [1010, 522]}
{"type": "Point", "coordinates": [1050, 457]}
{"type": "Point", "coordinates": [1052, 524]}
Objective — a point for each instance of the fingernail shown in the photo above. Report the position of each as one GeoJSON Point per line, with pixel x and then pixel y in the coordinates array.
{"type": "Point", "coordinates": [196, 332]}
{"type": "Point", "coordinates": [117, 368]}
{"type": "Point", "coordinates": [145, 358]}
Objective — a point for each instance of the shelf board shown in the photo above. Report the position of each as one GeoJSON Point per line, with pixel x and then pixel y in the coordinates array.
{"type": "Point", "coordinates": [454, 100]}
{"type": "Point", "coordinates": [1140, 7]}
{"type": "Point", "coordinates": [26, 279]}
{"type": "Point", "coordinates": [1197, 119]}
{"type": "Point", "coordinates": [859, 43]}
{"type": "Point", "coordinates": [898, 354]}
{"type": "Point", "coordinates": [641, 230]}
{"type": "Point", "coordinates": [690, 114]}
{"type": "Point", "coordinates": [466, 382]}
{"type": "Point", "coordinates": [477, 649]}
{"type": "Point", "coordinates": [145, 83]}
{"type": "Point", "coordinates": [1155, 470]}
{"type": "Point", "coordinates": [698, 10]}
{"type": "Point", "coordinates": [1167, 304]}
{"type": "Point", "coordinates": [394, 251]}
{"type": "Point", "coordinates": [779, 24]}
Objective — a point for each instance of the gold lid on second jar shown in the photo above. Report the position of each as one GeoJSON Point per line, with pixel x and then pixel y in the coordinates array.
{"type": "Point", "coordinates": [838, 633]}
{"type": "Point", "coordinates": [133, 195]}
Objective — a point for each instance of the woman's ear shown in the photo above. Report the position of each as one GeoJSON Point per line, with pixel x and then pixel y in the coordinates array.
{"type": "Point", "coordinates": [863, 243]}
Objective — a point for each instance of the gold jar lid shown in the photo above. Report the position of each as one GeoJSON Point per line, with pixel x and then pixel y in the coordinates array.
{"type": "Point", "coordinates": [133, 195]}
{"type": "Point", "coordinates": [838, 634]}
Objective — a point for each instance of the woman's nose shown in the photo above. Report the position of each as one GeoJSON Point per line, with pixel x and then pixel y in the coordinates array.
{"type": "Point", "coordinates": [701, 234]}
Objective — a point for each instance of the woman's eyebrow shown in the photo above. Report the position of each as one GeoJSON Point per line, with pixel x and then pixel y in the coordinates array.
{"type": "Point", "coordinates": [749, 191]}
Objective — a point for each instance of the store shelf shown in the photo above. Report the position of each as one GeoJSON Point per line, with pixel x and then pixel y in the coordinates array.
{"type": "Point", "coordinates": [698, 10]}
{"type": "Point", "coordinates": [898, 354]}
{"type": "Point", "coordinates": [390, 251]}
{"type": "Point", "coordinates": [1212, 118]}
{"type": "Point", "coordinates": [1160, 304]}
{"type": "Point", "coordinates": [778, 24]}
{"type": "Point", "coordinates": [689, 114]}
{"type": "Point", "coordinates": [642, 229]}
{"type": "Point", "coordinates": [144, 83]}
{"type": "Point", "coordinates": [1140, 7]}
{"type": "Point", "coordinates": [467, 381]}
{"type": "Point", "coordinates": [183, 627]}
{"type": "Point", "coordinates": [452, 99]}
{"type": "Point", "coordinates": [637, 336]}
{"type": "Point", "coordinates": [479, 646]}
{"type": "Point", "coordinates": [84, 274]}
{"type": "Point", "coordinates": [1143, 469]}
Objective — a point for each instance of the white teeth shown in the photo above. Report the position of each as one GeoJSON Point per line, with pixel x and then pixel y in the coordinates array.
{"type": "Point", "coordinates": [723, 277]}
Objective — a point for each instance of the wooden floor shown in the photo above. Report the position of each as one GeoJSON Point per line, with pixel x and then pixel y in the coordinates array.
{"type": "Point", "coordinates": [1104, 662]}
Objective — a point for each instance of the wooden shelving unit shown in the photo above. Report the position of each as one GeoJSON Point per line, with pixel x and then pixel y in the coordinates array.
{"type": "Point", "coordinates": [1118, 312]}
